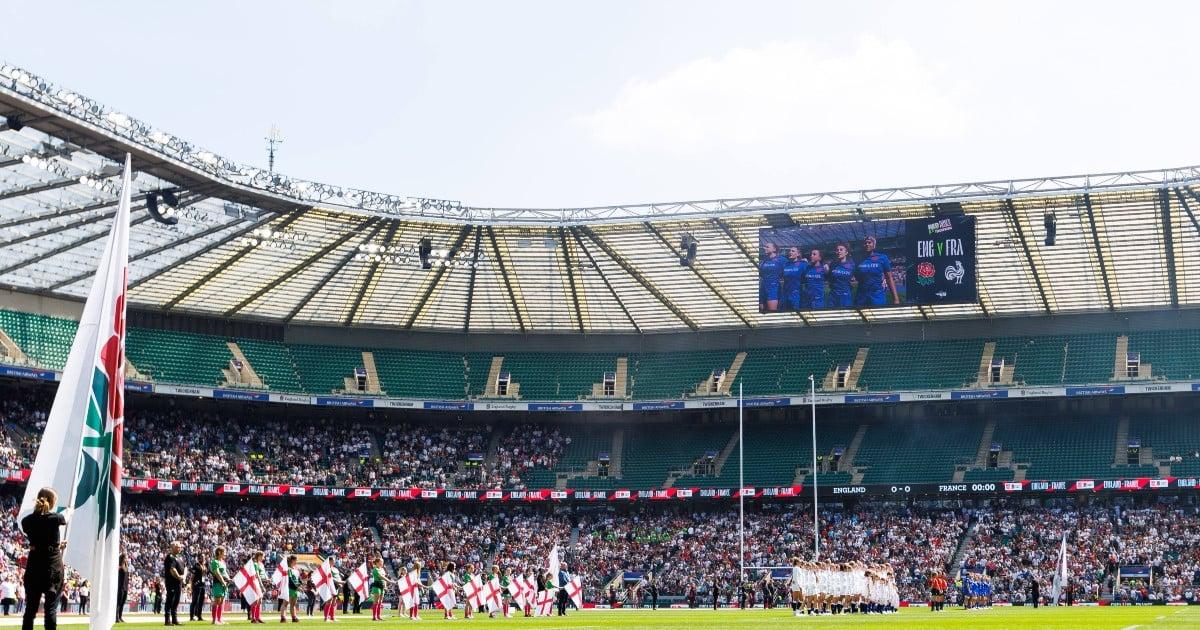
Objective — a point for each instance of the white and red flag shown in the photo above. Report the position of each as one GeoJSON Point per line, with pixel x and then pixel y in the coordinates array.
{"type": "Point", "coordinates": [575, 591]}
{"type": "Point", "coordinates": [359, 581]}
{"type": "Point", "coordinates": [247, 583]}
{"type": "Point", "coordinates": [516, 588]}
{"type": "Point", "coordinates": [279, 579]}
{"type": "Point", "coordinates": [322, 579]}
{"type": "Point", "coordinates": [443, 587]}
{"type": "Point", "coordinates": [473, 591]}
{"type": "Point", "coordinates": [410, 589]}
{"type": "Point", "coordinates": [545, 602]}
{"type": "Point", "coordinates": [491, 593]}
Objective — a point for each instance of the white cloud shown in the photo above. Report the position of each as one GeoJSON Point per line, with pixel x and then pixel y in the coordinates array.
{"type": "Point", "coordinates": [784, 94]}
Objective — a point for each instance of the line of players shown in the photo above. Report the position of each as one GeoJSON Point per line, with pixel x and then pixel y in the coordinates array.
{"type": "Point", "coordinates": [794, 282]}
{"type": "Point", "coordinates": [533, 593]}
{"type": "Point", "coordinates": [975, 590]}
{"type": "Point", "coordinates": [854, 587]}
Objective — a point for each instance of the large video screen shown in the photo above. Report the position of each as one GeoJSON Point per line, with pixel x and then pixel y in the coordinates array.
{"type": "Point", "coordinates": [867, 264]}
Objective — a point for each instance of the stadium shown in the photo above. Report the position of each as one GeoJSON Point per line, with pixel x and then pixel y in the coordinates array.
{"type": "Point", "coordinates": [340, 375]}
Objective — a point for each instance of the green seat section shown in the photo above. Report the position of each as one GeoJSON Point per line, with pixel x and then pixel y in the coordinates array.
{"type": "Point", "coordinates": [42, 338]}
{"type": "Point", "coordinates": [1037, 360]}
{"type": "Point", "coordinates": [669, 375]}
{"type": "Point", "coordinates": [178, 357]}
{"type": "Point", "coordinates": [652, 451]}
{"type": "Point", "coordinates": [323, 369]}
{"type": "Point", "coordinates": [477, 365]}
{"type": "Point", "coordinates": [1061, 448]}
{"type": "Point", "coordinates": [773, 452]}
{"type": "Point", "coordinates": [769, 371]}
{"type": "Point", "coordinates": [546, 376]}
{"type": "Point", "coordinates": [921, 365]}
{"type": "Point", "coordinates": [1170, 436]}
{"type": "Point", "coordinates": [273, 363]}
{"type": "Point", "coordinates": [1172, 354]}
{"type": "Point", "coordinates": [988, 474]}
{"type": "Point", "coordinates": [1089, 358]}
{"type": "Point", "coordinates": [917, 452]}
{"type": "Point", "coordinates": [421, 374]}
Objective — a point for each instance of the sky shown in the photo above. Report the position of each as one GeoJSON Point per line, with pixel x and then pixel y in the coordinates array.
{"type": "Point", "coordinates": [569, 104]}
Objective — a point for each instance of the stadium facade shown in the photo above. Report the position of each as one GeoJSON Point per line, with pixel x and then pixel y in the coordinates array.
{"type": "Point", "coordinates": [268, 289]}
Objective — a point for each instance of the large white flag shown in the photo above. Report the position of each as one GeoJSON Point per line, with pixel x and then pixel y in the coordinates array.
{"type": "Point", "coordinates": [80, 452]}
{"type": "Point", "coordinates": [552, 565]}
{"type": "Point", "coordinates": [1060, 572]}
{"type": "Point", "coordinates": [443, 587]}
{"type": "Point", "coordinates": [279, 579]}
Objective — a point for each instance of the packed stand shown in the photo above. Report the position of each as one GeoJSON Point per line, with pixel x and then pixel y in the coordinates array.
{"type": "Point", "coordinates": [525, 447]}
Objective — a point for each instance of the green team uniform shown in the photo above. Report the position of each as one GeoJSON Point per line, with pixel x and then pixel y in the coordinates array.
{"type": "Point", "coordinates": [293, 583]}
{"type": "Point", "coordinates": [504, 594]}
{"type": "Point", "coordinates": [261, 572]}
{"type": "Point", "coordinates": [217, 568]}
{"type": "Point", "coordinates": [376, 583]}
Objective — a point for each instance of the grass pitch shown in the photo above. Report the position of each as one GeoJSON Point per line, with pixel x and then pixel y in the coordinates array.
{"type": "Point", "coordinates": [1079, 618]}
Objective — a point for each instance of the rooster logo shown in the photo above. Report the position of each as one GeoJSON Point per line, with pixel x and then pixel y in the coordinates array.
{"type": "Point", "coordinates": [956, 272]}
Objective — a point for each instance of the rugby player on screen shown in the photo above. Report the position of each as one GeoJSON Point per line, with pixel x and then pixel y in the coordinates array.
{"type": "Point", "coordinates": [770, 272]}
{"type": "Point", "coordinates": [841, 278]}
{"type": "Point", "coordinates": [794, 271]}
{"type": "Point", "coordinates": [814, 281]}
{"type": "Point", "coordinates": [875, 278]}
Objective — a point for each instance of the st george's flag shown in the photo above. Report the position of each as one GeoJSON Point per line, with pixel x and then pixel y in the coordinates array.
{"type": "Point", "coordinates": [247, 583]}
{"type": "Point", "coordinates": [80, 452]}
{"type": "Point", "coordinates": [359, 580]}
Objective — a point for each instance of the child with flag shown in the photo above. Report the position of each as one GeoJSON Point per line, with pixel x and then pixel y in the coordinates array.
{"type": "Point", "coordinates": [292, 578]}
{"type": "Point", "coordinates": [443, 588]}
{"type": "Point", "coordinates": [412, 586]}
{"type": "Point", "coordinates": [220, 584]}
{"type": "Point", "coordinates": [506, 595]}
{"type": "Point", "coordinates": [260, 575]}
{"type": "Point", "coordinates": [470, 591]}
{"type": "Point", "coordinates": [378, 582]}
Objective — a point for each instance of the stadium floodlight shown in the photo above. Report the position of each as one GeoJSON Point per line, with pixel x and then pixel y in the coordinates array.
{"type": "Point", "coordinates": [166, 213]}
{"type": "Point", "coordinates": [12, 122]}
{"type": "Point", "coordinates": [687, 249]}
{"type": "Point", "coordinates": [423, 251]}
{"type": "Point", "coordinates": [1051, 223]}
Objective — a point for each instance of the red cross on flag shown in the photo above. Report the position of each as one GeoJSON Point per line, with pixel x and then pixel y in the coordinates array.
{"type": "Point", "coordinates": [280, 580]}
{"type": "Point", "coordinates": [359, 580]}
{"type": "Point", "coordinates": [516, 588]}
{"type": "Point", "coordinates": [545, 602]}
{"type": "Point", "coordinates": [473, 591]}
{"type": "Point", "coordinates": [491, 594]}
{"type": "Point", "coordinates": [443, 587]}
{"type": "Point", "coordinates": [322, 579]}
{"type": "Point", "coordinates": [247, 583]}
{"type": "Point", "coordinates": [575, 592]}
{"type": "Point", "coordinates": [410, 589]}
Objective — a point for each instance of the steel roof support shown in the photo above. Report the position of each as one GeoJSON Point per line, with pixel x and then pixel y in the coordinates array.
{"type": "Point", "coordinates": [329, 276]}
{"type": "Point", "coordinates": [67, 247]}
{"type": "Point", "coordinates": [362, 290]}
{"type": "Point", "coordinates": [223, 266]}
{"type": "Point", "coordinates": [301, 266]}
{"type": "Point", "coordinates": [34, 218]}
{"type": "Point", "coordinates": [463, 233]}
{"type": "Point", "coordinates": [569, 265]}
{"type": "Point", "coordinates": [471, 281]}
{"type": "Point", "coordinates": [637, 275]}
{"type": "Point", "coordinates": [1187, 208]}
{"type": "Point", "coordinates": [624, 309]}
{"type": "Point", "coordinates": [704, 279]}
{"type": "Point", "coordinates": [1087, 202]}
{"type": "Point", "coordinates": [1015, 222]}
{"type": "Point", "coordinates": [1164, 213]}
{"type": "Point", "coordinates": [512, 295]}
{"type": "Point", "coordinates": [38, 188]}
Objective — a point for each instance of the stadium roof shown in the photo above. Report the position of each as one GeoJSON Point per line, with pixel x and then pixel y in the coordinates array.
{"type": "Point", "coordinates": [259, 245]}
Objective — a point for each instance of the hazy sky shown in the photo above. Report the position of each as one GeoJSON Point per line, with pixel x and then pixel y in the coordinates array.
{"type": "Point", "coordinates": [591, 103]}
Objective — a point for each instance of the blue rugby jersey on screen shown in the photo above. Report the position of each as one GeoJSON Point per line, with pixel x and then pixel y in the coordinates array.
{"type": "Point", "coordinates": [793, 275]}
{"type": "Point", "coordinates": [871, 288]}
{"type": "Point", "coordinates": [814, 286]}
{"type": "Point", "coordinates": [771, 269]}
{"type": "Point", "coordinates": [840, 275]}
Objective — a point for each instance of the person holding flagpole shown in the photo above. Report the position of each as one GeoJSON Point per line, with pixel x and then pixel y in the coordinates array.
{"type": "Point", "coordinates": [260, 574]}
{"type": "Point", "coordinates": [44, 566]}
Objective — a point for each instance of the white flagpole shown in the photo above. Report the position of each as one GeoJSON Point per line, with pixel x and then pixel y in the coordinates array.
{"type": "Point", "coordinates": [812, 382]}
{"type": "Point", "coordinates": [741, 494]}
